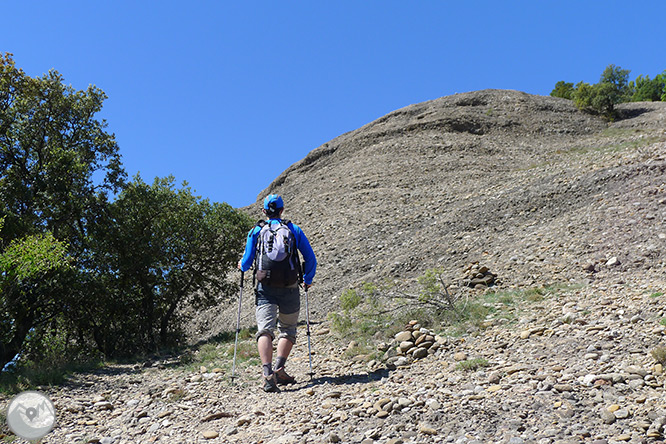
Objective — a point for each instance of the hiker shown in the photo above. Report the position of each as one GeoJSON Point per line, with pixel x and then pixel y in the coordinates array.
{"type": "Point", "coordinates": [278, 298]}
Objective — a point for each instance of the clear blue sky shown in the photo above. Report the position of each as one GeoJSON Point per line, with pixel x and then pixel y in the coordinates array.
{"type": "Point", "coordinates": [227, 95]}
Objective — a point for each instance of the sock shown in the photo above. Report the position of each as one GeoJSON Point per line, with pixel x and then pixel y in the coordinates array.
{"type": "Point", "coordinates": [280, 362]}
{"type": "Point", "coordinates": [267, 369]}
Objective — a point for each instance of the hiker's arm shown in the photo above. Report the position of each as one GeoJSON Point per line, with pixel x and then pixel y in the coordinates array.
{"type": "Point", "coordinates": [250, 249]}
{"type": "Point", "coordinates": [310, 266]}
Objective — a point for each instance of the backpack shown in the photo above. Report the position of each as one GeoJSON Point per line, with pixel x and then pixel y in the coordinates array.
{"type": "Point", "coordinates": [276, 261]}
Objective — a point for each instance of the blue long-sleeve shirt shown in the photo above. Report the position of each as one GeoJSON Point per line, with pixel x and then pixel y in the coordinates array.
{"type": "Point", "coordinates": [302, 243]}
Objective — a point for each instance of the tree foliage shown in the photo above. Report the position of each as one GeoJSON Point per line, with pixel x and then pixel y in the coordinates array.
{"type": "Point", "coordinates": [34, 272]}
{"type": "Point", "coordinates": [649, 90]}
{"type": "Point", "coordinates": [51, 145]}
{"type": "Point", "coordinates": [563, 89]}
{"type": "Point", "coordinates": [86, 257]}
{"type": "Point", "coordinates": [160, 248]}
{"type": "Point", "coordinates": [613, 88]}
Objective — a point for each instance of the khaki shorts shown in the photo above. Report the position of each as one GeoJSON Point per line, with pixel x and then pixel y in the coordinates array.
{"type": "Point", "coordinates": [278, 307]}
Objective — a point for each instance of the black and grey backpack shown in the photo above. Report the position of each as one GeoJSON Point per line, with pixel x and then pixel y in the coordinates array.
{"type": "Point", "coordinates": [276, 262]}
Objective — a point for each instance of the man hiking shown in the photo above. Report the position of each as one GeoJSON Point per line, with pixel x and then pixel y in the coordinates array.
{"type": "Point", "coordinates": [272, 246]}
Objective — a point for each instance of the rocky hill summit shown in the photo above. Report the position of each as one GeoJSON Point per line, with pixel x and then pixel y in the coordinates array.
{"type": "Point", "coordinates": [527, 185]}
{"type": "Point", "coordinates": [519, 191]}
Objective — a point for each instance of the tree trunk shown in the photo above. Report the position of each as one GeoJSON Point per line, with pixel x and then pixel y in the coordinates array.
{"type": "Point", "coordinates": [11, 349]}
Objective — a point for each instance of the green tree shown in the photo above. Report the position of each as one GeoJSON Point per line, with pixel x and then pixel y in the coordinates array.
{"type": "Point", "coordinates": [108, 274]}
{"type": "Point", "coordinates": [563, 89]}
{"type": "Point", "coordinates": [57, 166]}
{"type": "Point", "coordinates": [51, 145]}
{"type": "Point", "coordinates": [649, 90]}
{"type": "Point", "coordinates": [613, 88]}
{"type": "Point", "coordinates": [160, 249]}
{"type": "Point", "coordinates": [32, 289]}
{"type": "Point", "coordinates": [583, 96]}
{"type": "Point", "coordinates": [618, 78]}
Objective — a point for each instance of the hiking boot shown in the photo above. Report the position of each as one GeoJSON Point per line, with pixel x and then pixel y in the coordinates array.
{"type": "Point", "coordinates": [270, 384]}
{"type": "Point", "coordinates": [283, 378]}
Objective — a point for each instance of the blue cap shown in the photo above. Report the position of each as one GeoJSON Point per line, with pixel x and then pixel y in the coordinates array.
{"type": "Point", "coordinates": [273, 201]}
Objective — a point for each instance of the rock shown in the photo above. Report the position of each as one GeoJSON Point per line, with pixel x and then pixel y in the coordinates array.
{"type": "Point", "coordinates": [210, 434]}
{"type": "Point", "coordinates": [103, 405]}
{"type": "Point", "coordinates": [243, 420]}
{"type": "Point", "coordinates": [403, 336]}
{"type": "Point", "coordinates": [405, 346]}
{"type": "Point", "coordinates": [636, 370]}
{"type": "Point", "coordinates": [590, 267]}
{"type": "Point", "coordinates": [494, 378]}
{"type": "Point", "coordinates": [164, 414]}
{"type": "Point", "coordinates": [607, 416]}
{"type": "Point", "coordinates": [420, 353]}
{"type": "Point", "coordinates": [433, 404]}
{"type": "Point", "coordinates": [622, 413]}
{"type": "Point", "coordinates": [427, 429]}
{"type": "Point", "coordinates": [217, 415]}
{"type": "Point", "coordinates": [614, 261]}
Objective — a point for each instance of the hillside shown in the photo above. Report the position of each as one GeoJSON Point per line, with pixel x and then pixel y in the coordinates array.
{"type": "Point", "coordinates": [528, 186]}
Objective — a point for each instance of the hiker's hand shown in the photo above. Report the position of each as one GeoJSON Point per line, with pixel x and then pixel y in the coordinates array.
{"type": "Point", "coordinates": [307, 286]}
{"type": "Point", "coordinates": [239, 266]}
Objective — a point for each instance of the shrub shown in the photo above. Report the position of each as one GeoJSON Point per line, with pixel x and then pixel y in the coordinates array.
{"type": "Point", "coordinates": [648, 90]}
{"type": "Point", "coordinates": [472, 364]}
{"type": "Point", "coordinates": [601, 98]}
{"type": "Point", "coordinates": [350, 299]}
{"type": "Point", "coordinates": [564, 90]}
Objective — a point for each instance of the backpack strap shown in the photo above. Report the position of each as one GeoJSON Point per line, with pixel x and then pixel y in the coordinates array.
{"type": "Point", "coordinates": [257, 251]}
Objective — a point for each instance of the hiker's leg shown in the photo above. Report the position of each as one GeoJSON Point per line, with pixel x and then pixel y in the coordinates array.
{"type": "Point", "coordinates": [284, 346]}
{"type": "Point", "coordinates": [266, 322]}
{"type": "Point", "coordinates": [265, 347]}
{"type": "Point", "coordinates": [287, 324]}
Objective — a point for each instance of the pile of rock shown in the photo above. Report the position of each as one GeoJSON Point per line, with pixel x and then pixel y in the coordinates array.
{"type": "Point", "coordinates": [478, 276]}
{"type": "Point", "coordinates": [598, 264]}
{"type": "Point", "coordinates": [414, 342]}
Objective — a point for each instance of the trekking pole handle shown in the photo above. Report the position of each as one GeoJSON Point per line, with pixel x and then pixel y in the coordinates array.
{"type": "Point", "coordinates": [241, 280]}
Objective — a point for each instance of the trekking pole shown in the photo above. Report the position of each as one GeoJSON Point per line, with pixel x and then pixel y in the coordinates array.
{"type": "Point", "coordinates": [307, 324]}
{"type": "Point", "coordinates": [240, 300]}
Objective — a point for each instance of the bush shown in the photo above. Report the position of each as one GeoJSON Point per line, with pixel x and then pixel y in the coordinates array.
{"type": "Point", "coordinates": [472, 364]}
{"type": "Point", "coordinates": [599, 99]}
{"type": "Point", "coordinates": [564, 90]}
{"type": "Point", "coordinates": [350, 299]}
{"type": "Point", "coordinates": [647, 90]}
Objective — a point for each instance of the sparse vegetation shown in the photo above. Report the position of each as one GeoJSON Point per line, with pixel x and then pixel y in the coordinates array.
{"type": "Point", "coordinates": [377, 313]}
{"type": "Point", "coordinates": [218, 352]}
{"type": "Point", "coordinates": [472, 364]}
{"type": "Point", "coordinates": [28, 375]}
{"type": "Point", "coordinates": [613, 88]}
